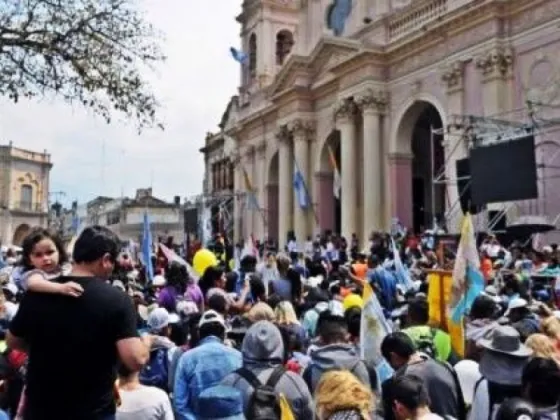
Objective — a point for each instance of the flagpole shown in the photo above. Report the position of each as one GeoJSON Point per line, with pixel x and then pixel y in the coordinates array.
{"type": "Point", "coordinates": [315, 216]}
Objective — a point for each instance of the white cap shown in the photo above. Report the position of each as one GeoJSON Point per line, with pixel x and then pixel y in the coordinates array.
{"type": "Point", "coordinates": [159, 281]}
{"type": "Point", "coordinates": [211, 316]}
{"type": "Point", "coordinates": [158, 319]}
{"type": "Point", "coordinates": [515, 304]}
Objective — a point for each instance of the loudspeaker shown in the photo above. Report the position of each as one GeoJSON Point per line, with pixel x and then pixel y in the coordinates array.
{"type": "Point", "coordinates": [463, 171]}
{"type": "Point", "coordinates": [177, 200]}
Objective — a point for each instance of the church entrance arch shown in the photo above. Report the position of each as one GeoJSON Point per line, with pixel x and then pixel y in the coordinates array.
{"type": "Point", "coordinates": [329, 185]}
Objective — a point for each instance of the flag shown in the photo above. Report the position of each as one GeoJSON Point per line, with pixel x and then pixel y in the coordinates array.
{"type": "Point", "coordinates": [238, 55]}
{"type": "Point", "coordinates": [252, 202]}
{"type": "Point", "coordinates": [468, 281]}
{"type": "Point", "coordinates": [337, 180]}
{"type": "Point", "coordinates": [300, 188]}
{"type": "Point", "coordinates": [75, 224]}
{"type": "Point", "coordinates": [147, 248]}
{"type": "Point", "coordinates": [401, 273]}
{"type": "Point", "coordinates": [374, 327]}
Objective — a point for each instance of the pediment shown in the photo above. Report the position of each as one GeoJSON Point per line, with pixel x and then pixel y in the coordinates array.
{"type": "Point", "coordinates": [329, 53]}
{"type": "Point", "coordinates": [230, 115]}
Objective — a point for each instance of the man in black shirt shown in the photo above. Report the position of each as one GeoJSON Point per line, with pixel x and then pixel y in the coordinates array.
{"type": "Point", "coordinates": [75, 344]}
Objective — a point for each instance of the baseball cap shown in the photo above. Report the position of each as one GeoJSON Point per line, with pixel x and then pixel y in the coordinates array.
{"type": "Point", "coordinates": [211, 316]}
{"type": "Point", "coordinates": [10, 287]}
{"type": "Point", "coordinates": [159, 281]}
{"type": "Point", "coordinates": [158, 319]}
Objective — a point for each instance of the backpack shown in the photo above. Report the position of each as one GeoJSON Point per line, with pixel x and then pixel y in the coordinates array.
{"type": "Point", "coordinates": [156, 371]}
{"type": "Point", "coordinates": [425, 343]}
{"type": "Point", "coordinates": [264, 403]}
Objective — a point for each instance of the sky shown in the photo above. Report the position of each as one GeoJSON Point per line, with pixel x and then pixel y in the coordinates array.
{"type": "Point", "coordinates": [194, 85]}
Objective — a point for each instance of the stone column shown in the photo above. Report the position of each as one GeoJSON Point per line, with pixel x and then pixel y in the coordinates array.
{"type": "Point", "coordinates": [345, 113]}
{"type": "Point", "coordinates": [285, 194]}
{"type": "Point", "coordinates": [301, 132]}
{"type": "Point", "coordinates": [373, 105]}
{"type": "Point", "coordinates": [251, 214]}
{"type": "Point", "coordinates": [259, 182]}
{"type": "Point", "coordinates": [454, 145]}
{"type": "Point", "coordinates": [238, 207]}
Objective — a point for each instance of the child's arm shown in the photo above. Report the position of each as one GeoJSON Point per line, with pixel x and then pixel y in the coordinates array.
{"type": "Point", "coordinates": [37, 282]}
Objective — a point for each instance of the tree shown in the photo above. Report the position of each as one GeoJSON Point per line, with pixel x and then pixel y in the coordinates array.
{"type": "Point", "coordinates": [90, 52]}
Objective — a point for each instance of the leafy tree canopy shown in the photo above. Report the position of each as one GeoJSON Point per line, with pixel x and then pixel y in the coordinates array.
{"type": "Point", "coordinates": [86, 51]}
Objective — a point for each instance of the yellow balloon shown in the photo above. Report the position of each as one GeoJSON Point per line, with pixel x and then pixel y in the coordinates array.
{"type": "Point", "coordinates": [204, 259]}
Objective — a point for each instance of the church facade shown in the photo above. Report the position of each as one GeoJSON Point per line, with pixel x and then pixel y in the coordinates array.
{"type": "Point", "coordinates": [384, 93]}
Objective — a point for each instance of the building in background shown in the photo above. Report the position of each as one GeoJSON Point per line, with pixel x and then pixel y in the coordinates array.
{"type": "Point", "coordinates": [363, 84]}
{"type": "Point", "coordinates": [24, 192]}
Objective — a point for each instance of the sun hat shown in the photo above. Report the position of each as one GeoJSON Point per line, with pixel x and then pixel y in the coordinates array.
{"type": "Point", "coordinates": [352, 300]}
{"type": "Point", "coordinates": [211, 316]}
{"type": "Point", "coordinates": [506, 340]}
{"type": "Point", "coordinates": [158, 319]}
{"type": "Point", "coordinates": [220, 403]}
{"type": "Point", "coordinates": [515, 304]}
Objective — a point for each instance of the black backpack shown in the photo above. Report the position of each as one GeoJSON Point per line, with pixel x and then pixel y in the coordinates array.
{"type": "Point", "coordinates": [264, 403]}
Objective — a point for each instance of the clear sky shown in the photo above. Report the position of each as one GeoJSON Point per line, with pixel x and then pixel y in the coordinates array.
{"type": "Point", "coordinates": [92, 158]}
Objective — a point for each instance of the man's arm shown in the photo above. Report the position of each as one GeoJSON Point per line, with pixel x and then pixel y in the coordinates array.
{"type": "Point", "coordinates": [133, 351]}
{"type": "Point", "coordinates": [181, 396]}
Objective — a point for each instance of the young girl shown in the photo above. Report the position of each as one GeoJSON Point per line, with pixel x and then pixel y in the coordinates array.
{"type": "Point", "coordinates": [43, 260]}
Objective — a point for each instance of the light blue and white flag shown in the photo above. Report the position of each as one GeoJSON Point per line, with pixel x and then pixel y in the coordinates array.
{"type": "Point", "coordinates": [300, 188]}
{"type": "Point", "coordinates": [147, 248]}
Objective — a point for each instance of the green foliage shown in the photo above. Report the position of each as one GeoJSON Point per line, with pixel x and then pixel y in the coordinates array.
{"type": "Point", "coordinates": [90, 52]}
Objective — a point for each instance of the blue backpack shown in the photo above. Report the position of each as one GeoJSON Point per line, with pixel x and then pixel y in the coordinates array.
{"type": "Point", "coordinates": [156, 371]}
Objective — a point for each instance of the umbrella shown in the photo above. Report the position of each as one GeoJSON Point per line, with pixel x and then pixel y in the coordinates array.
{"type": "Point", "coordinates": [526, 226]}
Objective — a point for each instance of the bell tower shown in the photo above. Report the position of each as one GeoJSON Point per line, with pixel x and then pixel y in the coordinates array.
{"type": "Point", "coordinates": [268, 36]}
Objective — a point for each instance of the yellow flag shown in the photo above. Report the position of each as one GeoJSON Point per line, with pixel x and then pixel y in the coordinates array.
{"type": "Point", "coordinates": [285, 409]}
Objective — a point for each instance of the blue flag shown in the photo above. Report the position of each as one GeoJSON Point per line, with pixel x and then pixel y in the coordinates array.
{"type": "Point", "coordinates": [147, 248]}
{"type": "Point", "coordinates": [238, 55]}
{"type": "Point", "coordinates": [300, 189]}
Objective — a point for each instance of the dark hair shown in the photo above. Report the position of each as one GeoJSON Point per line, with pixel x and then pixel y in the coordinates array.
{"type": "Point", "coordinates": [210, 276]}
{"type": "Point", "coordinates": [410, 391]}
{"type": "Point", "coordinates": [295, 279]}
{"type": "Point", "coordinates": [418, 310]}
{"type": "Point", "coordinates": [214, 329]}
{"type": "Point", "coordinates": [218, 303]}
{"type": "Point", "coordinates": [541, 379]}
{"type": "Point", "coordinates": [353, 318]}
{"type": "Point", "coordinates": [93, 243]}
{"type": "Point", "coordinates": [123, 371]}
{"type": "Point", "coordinates": [177, 276]}
{"type": "Point", "coordinates": [33, 238]}
{"type": "Point", "coordinates": [398, 343]}
{"type": "Point", "coordinates": [483, 307]}
{"type": "Point", "coordinates": [331, 328]}
{"type": "Point", "coordinates": [231, 281]}
{"type": "Point", "coordinates": [258, 289]}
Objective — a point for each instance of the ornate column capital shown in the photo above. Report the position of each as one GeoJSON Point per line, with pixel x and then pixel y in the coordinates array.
{"type": "Point", "coordinates": [302, 129]}
{"type": "Point", "coordinates": [373, 101]}
{"type": "Point", "coordinates": [496, 62]}
{"type": "Point", "coordinates": [345, 109]}
{"type": "Point", "coordinates": [283, 134]}
{"type": "Point", "coordinates": [453, 76]}
{"type": "Point", "coordinates": [250, 151]}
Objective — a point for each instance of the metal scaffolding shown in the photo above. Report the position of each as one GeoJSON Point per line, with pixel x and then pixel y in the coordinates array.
{"type": "Point", "coordinates": [471, 131]}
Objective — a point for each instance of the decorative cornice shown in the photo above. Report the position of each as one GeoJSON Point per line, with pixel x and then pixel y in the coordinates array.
{"type": "Point", "coordinates": [372, 100]}
{"type": "Point", "coordinates": [453, 75]}
{"type": "Point", "coordinates": [496, 63]}
{"type": "Point", "coordinates": [302, 129]}
{"type": "Point", "coordinates": [345, 109]}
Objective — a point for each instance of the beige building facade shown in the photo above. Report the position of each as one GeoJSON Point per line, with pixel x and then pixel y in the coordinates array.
{"type": "Point", "coordinates": [24, 192]}
{"type": "Point", "coordinates": [386, 88]}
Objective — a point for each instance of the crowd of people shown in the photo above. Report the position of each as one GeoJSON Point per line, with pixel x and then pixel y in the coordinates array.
{"type": "Point", "coordinates": [277, 335]}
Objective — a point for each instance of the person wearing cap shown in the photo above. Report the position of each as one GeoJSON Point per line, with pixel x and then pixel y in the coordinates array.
{"type": "Point", "coordinates": [481, 322]}
{"type": "Point", "coordinates": [220, 403]}
{"type": "Point", "coordinates": [501, 367]}
{"type": "Point", "coordinates": [263, 354]}
{"type": "Point", "coordinates": [204, 366]}
{"type": "Point", "coordinates": [521, 318]}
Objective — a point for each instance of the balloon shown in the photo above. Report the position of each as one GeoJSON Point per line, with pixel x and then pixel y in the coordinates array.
{"type": "Point", "coordinates": [204, 259]}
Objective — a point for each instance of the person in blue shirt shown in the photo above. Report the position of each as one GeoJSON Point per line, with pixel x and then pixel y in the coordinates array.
{"type": "Point", "coordinates": [383, 281]}
{"type": "Point", "coordinates": [204, 366]}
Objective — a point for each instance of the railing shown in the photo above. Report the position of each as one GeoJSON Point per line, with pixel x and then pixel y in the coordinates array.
{"type": "Point", "coordinates": [28, 207]}
{"type": "Point", "coordinates": [415, 16]}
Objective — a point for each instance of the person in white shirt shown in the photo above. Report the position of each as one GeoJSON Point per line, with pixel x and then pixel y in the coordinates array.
{"type": "Point", "coordinates": [140, 402]}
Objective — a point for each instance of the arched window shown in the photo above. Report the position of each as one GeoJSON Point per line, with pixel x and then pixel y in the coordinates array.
{"type": "Point", "coordinates": [26, 197]}
{"type": "Point", "coordinates": [284, 44]}
{"type": "Point", "coordinates": [252, 56]}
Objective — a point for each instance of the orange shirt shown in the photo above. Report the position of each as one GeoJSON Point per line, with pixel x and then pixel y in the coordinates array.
{"type": "Point", "coordinates": [486, 268]}
{"type": "Point", "coordinates": [360, 270]}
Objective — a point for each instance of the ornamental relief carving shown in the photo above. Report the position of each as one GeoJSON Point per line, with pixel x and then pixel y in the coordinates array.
{"type": "Point", "coordinates": [282, 134]}
{"type": "Point", "coordinates": [373, 100]}
{"type": "Point", "coordinates": [497, 62]}
{"type": "Point", "coordinates": [301, 128]}
{"type": "Point", "coordinates": [345, 108]}
{"type": "Point", "coordinates": [453, 75]}
{"type": "Point", "coordinates": [541, 83]}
